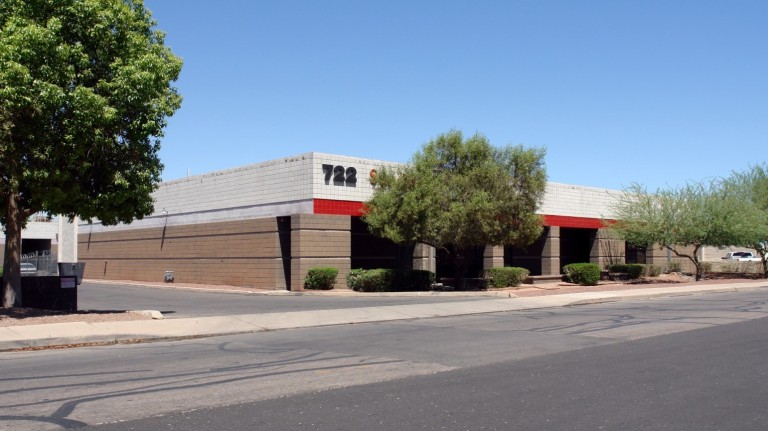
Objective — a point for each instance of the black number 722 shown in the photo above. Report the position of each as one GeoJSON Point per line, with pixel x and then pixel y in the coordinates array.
{"type": "Point", "coordinates": [339, 174]}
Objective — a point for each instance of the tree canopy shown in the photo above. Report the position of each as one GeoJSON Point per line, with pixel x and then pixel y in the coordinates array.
{"type": "Point", "coordinates": [683, 219]}
{"type": "Point", "coordinates": [461, 192]}
{"type": "Point", "coordinates": [85, 92]}
{"type": "Point", "coordinates": [752, 188]}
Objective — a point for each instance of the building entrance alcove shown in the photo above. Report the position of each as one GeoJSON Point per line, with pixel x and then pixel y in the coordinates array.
{"type": "Point", "coordinates": [527, 257]}
{"type": "Point", "coordinates": [371, 252]}
{"type": "Point", "coordinates": [576, 245]}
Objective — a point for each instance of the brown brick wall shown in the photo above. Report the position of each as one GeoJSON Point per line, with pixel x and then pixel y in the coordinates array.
{"type": "Point", "coordinates": [238, 253]}
{"type": "Point", "coordinates": [607, 249]}
{"type": "Point", "coordinates": [320, 241]}
{"type": "Point", "coordinates": [550, 254]}
{"type": "Point", "coordinates": [658, 256]}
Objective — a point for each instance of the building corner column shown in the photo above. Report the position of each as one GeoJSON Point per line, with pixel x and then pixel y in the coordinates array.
{"type": "Point", "coordinates": [319, 240]}
{"type": "Point", "coordinates": [424, 258]}
{"type": "Point", "coordinates": [550, 255]}
{"type": "Point", "coordinates": [493, 257]}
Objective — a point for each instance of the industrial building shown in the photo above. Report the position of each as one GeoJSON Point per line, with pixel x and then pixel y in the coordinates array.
{"type": "Point", "coordinates": [264, 225]}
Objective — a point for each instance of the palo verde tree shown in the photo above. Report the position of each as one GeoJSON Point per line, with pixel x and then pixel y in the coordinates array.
{"type": "Point", "coordinates": [459, 193]}
{"type": "Point", "coordinates": [682, 220]}
{"type": "Point", "coordinates": [85, 91]}
{"type": "Point", "coordinates": [752, 187]}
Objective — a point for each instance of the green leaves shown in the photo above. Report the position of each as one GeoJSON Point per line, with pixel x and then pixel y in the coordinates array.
{"type": "Point", "coordinates": [461, 192]}
{"type": "Point", "coordinates": [715, 213]}
{"type": "Point", "coordinates": [85, 91]}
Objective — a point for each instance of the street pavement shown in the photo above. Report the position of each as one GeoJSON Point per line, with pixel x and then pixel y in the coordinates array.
{"type": "Point", "coordinates": [62, 334]}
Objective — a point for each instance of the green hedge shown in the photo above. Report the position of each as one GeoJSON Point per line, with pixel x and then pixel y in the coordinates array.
{"type": "Point", "coordinates": [585, 274]}
{"type": "Point", "coordinates": [321, 278]}
{"type": "Point", "coordinates": [509, 276]}
{"type": "Point", "coordinates": [388, 280]}
{"type": "Point", "coordinates": [370, 280]}
{"type": "Point", "coordinates": [633, 270]}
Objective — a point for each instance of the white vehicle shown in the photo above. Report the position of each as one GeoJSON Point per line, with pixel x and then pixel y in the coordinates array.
{"type": "Point", "coordinates": [742, 256]}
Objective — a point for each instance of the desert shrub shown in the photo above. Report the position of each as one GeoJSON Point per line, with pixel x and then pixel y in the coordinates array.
{"type": "Point", "coordinates": [673, 266]}
{"type": "Point", "coordinates": [321, 278]}
{"type": "Point", "coordinates": [353, 277]}
{"type": "Point", "coordinates": [633, 270]}
{"type": "Point", "coordinates": [585, 274]}
{"type": "Point", "coordinates": [705, 266]}
{"type": "Point", "coordinates": [652, 270]}
{"type": "Point", "coordinates": [507, 276]}
{"type": "Point", "coordinates": [371, 280]}
{"type": "Point", "coordinates": [387, 280]}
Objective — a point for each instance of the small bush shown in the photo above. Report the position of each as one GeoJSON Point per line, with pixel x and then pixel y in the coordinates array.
{"type": "Point", "coordinates": [321, 278]}
{"type": "Point", "coordinates": [705, 266]}
{"type": "Point", "coordinates": [387, 280]}
{"type": "Point", "coordinates": [673, 266]}
{"type": "Point", "coordinates": [353, 278]}
{"type": "Point", "coordinates": [585, 274]}
{"type": "Point", "coordinates": [506, 277]}
{"type": "Point", "coordinates": [633, 270]}
{"type": "Point", "coordinates": [371, 280]}
{"type": "Point", "coordinates": [652, 270]}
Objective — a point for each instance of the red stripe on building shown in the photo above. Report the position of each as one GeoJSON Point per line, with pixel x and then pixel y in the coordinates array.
{"type": "Point", "coordinates": [580, 222]}
{"type": "Point", "coordinates": [333, 207]}
{"type": "Point", "coordinates": [352, 208]}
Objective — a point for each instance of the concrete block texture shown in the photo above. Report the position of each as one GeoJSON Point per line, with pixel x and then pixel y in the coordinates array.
{"type": "Point", "coordinates": [666, 259]}
{"type": "Point", "coordinates": [552, 242]}
{"type": "Point", "coordinates": [320, 240]}
{"type": "Point", "coordinates": [493, 257]}
{"type": "Point", "coordinates": [424, 258]}
{"type": "Point", "coordinates": [550, 266]}
{"type": "Point", "coordinates": [242, 253]}
{"type": "Point", "coordinates": [320, 222]}
{"type": "Point", "coordinates": [607, 249]}
{"type": "Point", "coordinates": [300, 267]}
{"type": "Point", "coordinates": [310, 243]}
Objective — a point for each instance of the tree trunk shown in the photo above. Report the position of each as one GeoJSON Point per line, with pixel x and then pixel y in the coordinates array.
{"type": "Point", "coordinates": [12, 260]}
{"type": "Point", "coordinates": [692, 257]}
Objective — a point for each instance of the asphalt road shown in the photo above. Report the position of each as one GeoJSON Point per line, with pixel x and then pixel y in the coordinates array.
{"type": "Point", "coordinates": [189, 303]}
{"type": "Point", "coordinates": [685, 363]}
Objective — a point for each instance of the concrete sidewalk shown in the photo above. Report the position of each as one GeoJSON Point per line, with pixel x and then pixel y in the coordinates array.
{"type": "Point", "coordinates": [62, 334]}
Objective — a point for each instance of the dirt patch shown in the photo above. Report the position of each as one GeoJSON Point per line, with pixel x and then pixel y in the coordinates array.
{"type": "Point", "coordinates": [34, 316]}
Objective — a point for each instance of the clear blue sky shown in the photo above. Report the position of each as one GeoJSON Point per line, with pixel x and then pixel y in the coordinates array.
{"type": "Point", "coordinates": [656, 92]}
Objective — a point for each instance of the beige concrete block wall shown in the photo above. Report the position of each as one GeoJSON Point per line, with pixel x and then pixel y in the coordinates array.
{"type": "Point", "coordinates": [320, 241]}
{"type": "Point", "coordinates": [493, 257]}
{"type": "Point", "coordinates": [607, 249]}
{"type": "Point", "coordinates": [424, 258]}
{"type": "Point", "coordinates": [241, 253]}
{"type": "Point", "coordinates": [550, 255]}
{"type": "Point", "coordinates": [660, 256]}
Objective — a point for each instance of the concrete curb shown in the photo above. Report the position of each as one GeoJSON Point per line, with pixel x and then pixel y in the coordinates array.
{"type": "Point", "coordinates": [79, 333]}
{"type": "Point", "coordinates": [333, 292]}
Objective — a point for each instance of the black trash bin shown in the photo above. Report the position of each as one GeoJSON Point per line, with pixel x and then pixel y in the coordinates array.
{"type": "Point", "coordinates": [75, 269]}
{"type": "Point", "coordinates": [49, 292]}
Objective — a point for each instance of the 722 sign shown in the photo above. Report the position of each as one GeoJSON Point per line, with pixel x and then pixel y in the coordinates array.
{"type": "Point", "coordinates": [339, 174]}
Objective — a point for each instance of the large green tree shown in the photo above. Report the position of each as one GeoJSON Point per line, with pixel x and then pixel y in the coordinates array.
{"type": "Point", "coordinates": [85, 91]}
{"type": "Point", "coordinates": [682, 219]}
{"type": "Point", "coordinates": [752, 187]}
{"type": "Point", "coordinates": [459, 193]}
